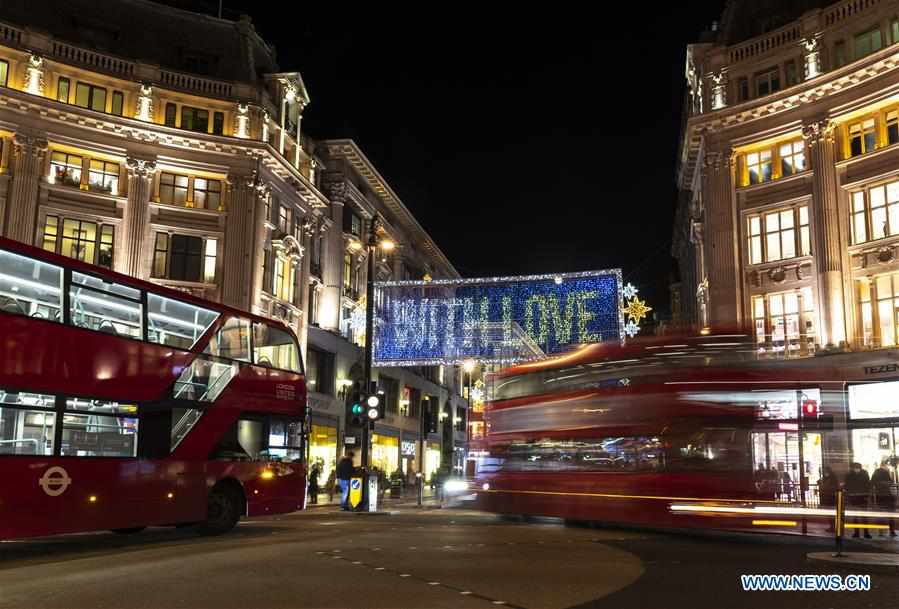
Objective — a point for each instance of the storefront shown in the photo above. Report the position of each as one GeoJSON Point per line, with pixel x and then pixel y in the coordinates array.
{"type": "Point", "coordinates": [385, 452]}
{"type": "Point", "coordinates": [323, 449]}
{"type": "Point", "coordinates": [432, 459]}
{"type": "Point", "coordinates": [874, 423]}
{"type": "Point", "coordinates": [409, 454]}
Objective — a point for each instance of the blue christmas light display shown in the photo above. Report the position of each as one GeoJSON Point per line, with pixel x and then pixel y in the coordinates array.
{"type": "Point", "coordinates": [498, 319]}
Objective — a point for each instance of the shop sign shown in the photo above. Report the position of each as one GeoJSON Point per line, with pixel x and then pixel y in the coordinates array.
{"type": "Point", "coordinates": [407, 448]}
{"type": "Point", "coordinates": [349, 440]}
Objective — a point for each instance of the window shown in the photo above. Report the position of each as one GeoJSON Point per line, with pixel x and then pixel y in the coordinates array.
{"type": "Point", "coordinates": [267, 269]}
{"type": "Point", "coordinates": [232, 340]}
{"type": "Point", "coordinates": [275, 348]}
{"type": "Point", "coordinates": [27, 423]}
{"type": "Point", "coordinates": [258, 438]}
{"type": "Point", "coordinates": [784, 322]}
{"type": "Point", "coordinates": [175, 323]}
{"type": "Point", "coordinates": [93, 428]}
{"type": "Point", "coordinates": [194, 119]}
{"type": "Point", "coordinates": [81, 239]}
{"type": "Point", "coordinates": [161, 255]}
{"type": "Point", "coordinates": [348, 274]}
{"type": "Point", "coordinates": [285, 439]}
{"type": "Point", "coordinates": [312, 306]}
{"type": "Point", "coordinates": [90, 96]}
{"type": "Point", "coordinates": [285, 278]}
{"type": "Point", "coordinates": [790, 72]}
{"type": "Point", "coordinates": [352, 223]}
{"type": "Point", "coordinates": [118, 103]}
{"type": "Point", "coordinates": [892, 120]}
{"type": "Point", "coordinates": [103, 306]}
{"type": "Point", "coordinates": [171, 114]}
{"type": "Point", "coordinates": [30, 287]}
{"type": "Point", "coordinates": [875, 212]}
{"type": "Point", "coordinates": [51, 234]}
{"type": "Point", "coordinates": [743, 89]}
{"type": "Point", "coordinates": [62, 90]}
{"type": "Point", "coordinates": [209, 260]}
{"type": "Point", "coordinates": [391, 389]}
{"type": "Point", "coordinates": [758, 165]}
{"type": "Point", "coordinates": [4, 73]}
{"type": "Point", "coordinates": [839, 53]}
{"type": "Point", "coordinates": [879, 302]}
{"type": "Point", "coordinates": [218, 123]}
{"type": "Point", "coordinates": [207, 194]}
{"type": "Point", "coordinates": [65, 168]}
{"type": "Point", "coordinates": [767, 82]}
{"type": "Point", "coordinates": [320, 370]}
{"type": "Point", "coordinates": [103, 176]}
{"type": "Point", "coordinates": [894, 31]}
{"type": "Point", "coordinates": [867, 42]}
{"type": "Point", "coordinates": [173, 189]}
{"type": "Point", "coordinates": [862, 137]}
{"type": "Point", "coordinates": [186, 260]}
{"type": "Point", "coordinates": [792, 158]}
{"type": "Point", "coordinates": [284, 218]}
{"type": "Point", "coordinates": [773, 236]}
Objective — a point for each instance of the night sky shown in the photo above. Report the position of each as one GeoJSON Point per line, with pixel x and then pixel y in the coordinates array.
{"type": "Point", "coordinates": [525, 141]}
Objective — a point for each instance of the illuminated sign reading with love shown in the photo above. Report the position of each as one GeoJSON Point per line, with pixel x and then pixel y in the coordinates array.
{"type": "Point", "coordinates": [501, 319]}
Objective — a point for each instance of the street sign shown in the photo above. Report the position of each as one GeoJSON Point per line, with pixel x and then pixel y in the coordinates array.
{"type": "Point", "coordinates": [372, 493]}
{"type": "Point", "coordinates": [355, 492]}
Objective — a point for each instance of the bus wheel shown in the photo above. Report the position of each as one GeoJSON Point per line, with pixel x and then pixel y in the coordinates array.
{"type": "Point", "coordinates": [222, 511]}
{"type": "Point", "coordinates": [129, 530]}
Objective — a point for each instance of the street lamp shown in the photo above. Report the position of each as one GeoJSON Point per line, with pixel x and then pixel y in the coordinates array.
{"type": "Point", "coordinates": [373, 244]}
{"type": "Point", "coordinates": [468, 366]}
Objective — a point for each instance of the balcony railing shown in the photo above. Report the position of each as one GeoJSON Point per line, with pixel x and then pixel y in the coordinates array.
{"type": "Point", "coordinates": [188, 82]}
{"type": "Point", "coordinates": [761, 45]}
{"type": "Point", "coordinates": [92, 59]}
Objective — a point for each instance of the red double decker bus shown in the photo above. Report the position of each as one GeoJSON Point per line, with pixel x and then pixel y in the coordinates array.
{"type": "Point", "coordinates": [124, 404]}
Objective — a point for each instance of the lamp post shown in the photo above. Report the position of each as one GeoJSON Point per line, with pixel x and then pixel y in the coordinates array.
{"type": "Point", "coordinates": [373, 244]}
{"type": "Point", "coordinates": [468, 366]}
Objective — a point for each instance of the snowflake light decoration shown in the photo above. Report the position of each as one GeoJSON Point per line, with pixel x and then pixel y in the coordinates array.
{"type": "Point", "coordinates": [357, 320]}
{"type": "Point", "coordinates": [636, 309]}
{"type": "Point", "coordinates": [631, 328]}
{"type": "Point", "coordinates": [629, 291]}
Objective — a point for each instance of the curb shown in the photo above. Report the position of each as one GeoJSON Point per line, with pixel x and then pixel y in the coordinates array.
{"type": "Point", "coordinates": [858, 559]}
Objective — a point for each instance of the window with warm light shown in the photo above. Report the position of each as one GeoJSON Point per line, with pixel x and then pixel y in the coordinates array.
{"type": "Point", "coordinates": [875, 212]}
{"type": "Point", "coordinates": [62, 90]}
{"type": "Point", "coordinates": [784, 322]}
{"type": "Point", "coordinates": [878, 299]}
{"type": "Point", "coordinates": [285, 278]}
{"type": "Point", "coordinates": [778, 235]}
{"type": "Point", "coordinates": [90, 96]}
{"type": "Point", "coordinates": [892, 123]}
{"type": "Point", "coordinates": [792, 157]}
{"type": "Point", "coordinates": [867, 43]}
{"type": "Point", "coordinates": [862, 137]}
{"type": "Point", "coordinates": [103, 176]}
{"type": "Point", "coordinates": [79, 239]}
{"type": "Point", "coordinates": [184, 258]}
{"type": "Point", "coordinates": [207, 194]}
{"type": "Point", "coordinates": [4, 72]}
{"type": "Point", "coordinates": [173, 189]}
{"type": "Point", "coordinates": [758, 165]}
{"type": "Point", "coordinates": [65, 168]}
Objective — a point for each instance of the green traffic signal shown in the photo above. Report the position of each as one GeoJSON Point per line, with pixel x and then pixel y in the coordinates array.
{"type": "Point", "coordinates": [357, 408]}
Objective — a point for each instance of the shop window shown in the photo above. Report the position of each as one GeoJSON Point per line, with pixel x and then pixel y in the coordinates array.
{"type": "Point", "coordinates": [62, 90]}
{"type": "Point", "coordinates": [792, 158]}
{"type": "Point", "coordinates": [4, 72]}
{"type": "Point", "coordinates": [862, 137]}
{"type": "Point", "coordinates": [767, 82]}
{"type": "Point", "coordinates": [758, 165]}
{"type": "Point", "coordinates": [194, 119]}
{"type": "Point", "coordinates": [65, 168]}
{"type": "Point", "coordinates": [207, 194]}
{"type": "Point", "coordinates": [90, 96]}
{"type": "Point", "coordinates": [103, 176]}
{"type": "Point", "coordinates": [175, 323]}
{"type": "Point", "coordinates": [275, 348]}
{"type": "Point", "coordinates": [783, 322]}
{"type": "Point", "coordinates": [103, 306]}
{"type": "Point", "coordinates": [173, 189]}
{"type": "Point", "coordinates": [875, 212]}
{"type": "Point", "coordinates": [27, 423]}
{"type": "Point", "coordinates": [171, 114]}
{"type": "Point", "coordinates": [30, 287]}
{"type": "Point", "coordinates": [218, 123]}
{"type": "Point", "coordinates": [867, 43]}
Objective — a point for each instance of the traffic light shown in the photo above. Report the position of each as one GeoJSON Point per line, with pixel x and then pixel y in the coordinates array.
{"type": "Point", "coordinates": [355, 410]}
{"type": "Point", "coordinates": [374, 403]}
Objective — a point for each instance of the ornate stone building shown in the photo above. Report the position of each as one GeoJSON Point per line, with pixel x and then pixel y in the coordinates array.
{"type": "Point", "coordinates": [788, 220]}
{"type": "Point", "coordinates": [168, 145]}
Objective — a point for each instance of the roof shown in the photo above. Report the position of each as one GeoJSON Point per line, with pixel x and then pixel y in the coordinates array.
{"type": "Point", "coordinates": [151, 33]}
{"type": "Point", "coordinates": [745, 19]}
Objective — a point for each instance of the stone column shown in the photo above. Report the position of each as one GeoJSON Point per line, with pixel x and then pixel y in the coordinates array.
{"type": "Point", "coordinates": [136, 219]}
{"type": "Point", "coordinates": [332, 260]}
{"type": "Point", "coordinates": [240, 248]}
{"type": "Point", "coordinates": [819, 141]}
{"type": "Point", "coordinates": [27, 170]}
{"type": "Point", "coordinates": [720, 248]}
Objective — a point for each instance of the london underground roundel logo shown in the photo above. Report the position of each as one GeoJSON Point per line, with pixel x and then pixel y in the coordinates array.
{"type": "Point", "coordinates": [55, 481]}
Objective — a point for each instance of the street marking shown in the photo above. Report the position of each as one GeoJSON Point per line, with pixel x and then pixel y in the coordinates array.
{"type": "Point", "coordinates": [379, 568]}
{"type": "Point", "coordinates": [465, 592]}
{"type": "Point", "coordinates": [433, 583]}
{"type": "Point", "coordinates": [405, 575]}
{"type": "Point", "coordinates": [357, 562]}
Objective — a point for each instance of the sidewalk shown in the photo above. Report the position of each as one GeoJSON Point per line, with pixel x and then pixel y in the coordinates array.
{"type": "Point", "coordinates": [411, 495]}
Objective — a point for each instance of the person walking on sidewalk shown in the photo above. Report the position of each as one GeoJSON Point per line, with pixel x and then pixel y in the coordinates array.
{"type": "Point", "coordinates": [314, 473]}
{"type": "Point", "coordinates": [344, 473]}
{"type": "Point", "coordinates": [858, 487]}
{"type": "Point", "coordinates": [884, 495]}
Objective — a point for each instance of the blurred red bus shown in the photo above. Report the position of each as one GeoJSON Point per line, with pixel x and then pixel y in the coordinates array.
{"type": "Point", "coordinates": [633, 433]}
{"type": "Point", "coordinates": [124, 404]}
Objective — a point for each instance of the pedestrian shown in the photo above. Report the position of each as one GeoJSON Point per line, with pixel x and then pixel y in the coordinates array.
{"type": "Point", "coordinates": [827, 492]}
{"type": "Point", "coordinates": [314, 473]}
{"type": "Point", "coordinates": [858, 487]}
{"type": "Point", "coordinates": [884, 492]}
{"type": "Point", "coordinates": [786, 485]}
{"type": "Point", "coordinates": [331, 484]}
{"type": "Point", "coordinates": [344, 473]}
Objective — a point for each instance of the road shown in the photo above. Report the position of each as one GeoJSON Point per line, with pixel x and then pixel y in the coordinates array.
{"type": "Point", "coordinates": [412, 558]}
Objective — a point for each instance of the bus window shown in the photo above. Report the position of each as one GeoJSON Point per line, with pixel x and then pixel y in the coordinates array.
{"type": "Point", "coordinates": [27, 422]}
{"type": "Point", "coordinates": [711, 450]}
{"type": "Point", "coordinates": [275, 348]}
{"type": "Point", "coordinates": [232, 340]}
{"type": "Point", "coordinates": [244, 441]}
{"type": "Point", "coordinates": [175, 323]}
{"type": "Point", "coordinates": [30, 287]}
{"type": "Point", "coordinates": [285, 439]}
{"type": "Point", "coordinates": [92, 428]}
{"type": "Point", "coordinates": [106, 307]}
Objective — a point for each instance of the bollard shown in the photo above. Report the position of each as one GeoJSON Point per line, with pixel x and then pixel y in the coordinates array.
{"type": "Point", "coordinates": [839, 519]}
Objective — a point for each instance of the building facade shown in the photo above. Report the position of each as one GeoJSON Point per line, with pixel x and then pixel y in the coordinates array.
{"type": "Point", "coordinates": [189, 167]}
{"type": "Point", "coordinates": [788, 220]}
